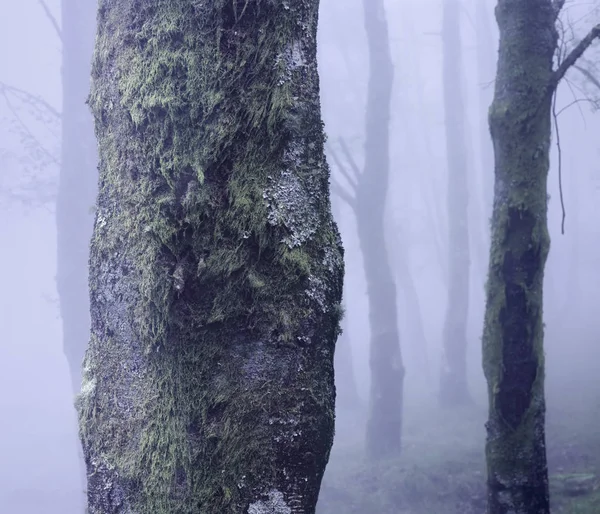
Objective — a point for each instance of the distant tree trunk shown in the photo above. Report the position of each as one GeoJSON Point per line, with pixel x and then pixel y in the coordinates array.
{"type": "Point", "coordinates": [216, 268]}
{"type": "Point", "coordinates": [453, 381]}
{"type": "Point", "coordinates": [77, 188]}
{"type": "Point", "coordinates": [513, 350]}
{"type": "Point", "coordinates": [384, 428]}
{"type": "Point", "coordinates": [486, 57]}
{"type": "Point", "coordinates": [345, 384]}
{"type": "Point", "coordinates": [78, 182]}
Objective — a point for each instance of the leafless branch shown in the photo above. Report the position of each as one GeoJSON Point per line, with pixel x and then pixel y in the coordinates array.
{"type": "Point", "coordinates": [342, 194]}
{"type": "Point", "coordinates": [52, 19]}
{"type": "Point", "coordinates": [6, 88]}
{"type": "Point", "coordinates": [349, 158]}
{"type": "Point", "coordinates": [26, 129]}
{"type": "Point", "coordinates": [588, 75]}
{"type": "Point", "coordinates": [351, 180]}
{"type": "Point", "coordinates": [575, 54]}
{"type": "Point", "coordinates": [559, 150]}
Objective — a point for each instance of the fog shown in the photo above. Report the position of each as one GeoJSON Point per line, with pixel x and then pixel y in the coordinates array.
{"type": "Point", "coordinates": [442, 464]}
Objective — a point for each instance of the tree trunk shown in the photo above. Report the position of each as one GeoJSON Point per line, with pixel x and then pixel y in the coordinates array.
{"type": "Point", "coordinates": [453, 380]}
{"type": "Point", "coordinates": [513, 353]}
{"type": "Point", "coordinates": [216, 268]}
{"type": "Point", "coordinates": [345, 384]}
{"type": "Point", "coordinates": [76, 189]}
{"type": "Point", "coordinates": [384, 426]}
{"type": "Point", "coordinates": [77, 185]}
{"type": "Point", "coordinates": [486, 56]}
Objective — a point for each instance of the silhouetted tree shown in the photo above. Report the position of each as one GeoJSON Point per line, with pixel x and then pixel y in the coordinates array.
{"type": "Point", "coordinates": [216, 268]}
{"type": "Point", "coordinates": [513, 349]}
{"type": "Point", "coordinates": [453, 381]}
{"type": "Point", "coordinates": [384, 426]}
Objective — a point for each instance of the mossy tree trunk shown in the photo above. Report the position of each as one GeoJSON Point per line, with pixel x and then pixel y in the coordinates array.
{"type": "Point", "coordinates": [513, 352]}
{"type": "Point", "coordinates": [384, 427]}
{"type": "Point", "coordinates": [77, 184]}
{"type": "Point", "coordinates": [216, 268]}
{"type": "Point", "coordinates": [453, 380]}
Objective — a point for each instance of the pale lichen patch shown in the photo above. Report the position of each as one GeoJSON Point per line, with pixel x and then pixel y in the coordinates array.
{"type": "Point", "coordinates": [276, 504]}
{"type": "Point", "coordinates": [290, 205]}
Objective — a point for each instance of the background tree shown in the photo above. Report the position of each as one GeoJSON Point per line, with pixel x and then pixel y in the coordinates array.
{"type": "Point", "coordinates": [384, 425]}
{"type": "Point", "coordinates": [453, 381]}
{"type": "Point", "coordinates": [216, 268]}
{"type": "Point", "coordinates": [520, 126]}
{"type": "Point", "coordinates": [77, 182]}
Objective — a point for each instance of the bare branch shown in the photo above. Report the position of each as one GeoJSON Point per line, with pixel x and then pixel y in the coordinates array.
{"type": "Point", "coordinates": [342, 168]}
{"type": "Point", "coordinates": [26, 129]}
{"type": "Point", "coordinates": [6, 88]}
{"type": "Point", "coordinates": [52, 19]}
{"type": "Point", "coordinates": [588, 75]}
{"type": "Point", "coordinates": [349, 158]}
{"type": "Point", "coordinates": [575, 54]}
{"type": "Point", "coordinates": [342, 194]}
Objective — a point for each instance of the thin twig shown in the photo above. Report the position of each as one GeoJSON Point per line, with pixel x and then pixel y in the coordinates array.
{"type": "Point", "coordinates": [588, 75]}
{"type": "Point", "coordinates": [342, 168]}
{"type": "Point", "coordinates": [560, 189]}
{"type": "Point", "coordinates": [4, 87]}
{"type": "Point", "coordinates": [349, 158]}
{"type": "Point", "coordinates": [342, 194]}
{"type": "Point", "coordinates": [52, 19]}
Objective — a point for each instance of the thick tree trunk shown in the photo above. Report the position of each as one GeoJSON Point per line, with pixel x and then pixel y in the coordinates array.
{"type": "Point", "coordinates": [384, 428]}
{"type": "Point", "coordinates": [453, 380]}
{"type": "Point", "coordinates": [78, 182]}
{"type": "Point", "coordinates": [513, 353]}
{"type": "Point", "coordinates": [216, 268]}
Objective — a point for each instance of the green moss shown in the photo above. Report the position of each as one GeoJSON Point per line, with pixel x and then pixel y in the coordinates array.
{"type": "Point", "coordinates": [199, 246]}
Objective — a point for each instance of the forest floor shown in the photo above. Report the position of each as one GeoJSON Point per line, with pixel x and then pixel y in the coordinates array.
{"type": "Point", "coordinates": [442, 466]}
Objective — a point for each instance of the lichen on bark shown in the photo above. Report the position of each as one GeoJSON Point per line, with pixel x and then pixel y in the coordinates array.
{"type": "Point", "coordinates": [513, 355]}
{"type": "Point", "coordinates": [216, 268]}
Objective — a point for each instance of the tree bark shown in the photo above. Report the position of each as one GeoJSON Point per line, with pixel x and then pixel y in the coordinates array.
{"type": "Point", "coordinates": [77, 184]}
{"type": "Point", "coordinates": [216, 268]}
{"type": "Point", "coordinates": [453, 381]}
{"type": "Point", "coordinates": [513, 353]}
{"type": "Point", "coordinates": [384, 427]}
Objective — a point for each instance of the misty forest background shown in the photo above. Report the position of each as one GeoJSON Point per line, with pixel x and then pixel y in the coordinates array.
{"type": "Point", "coordinates": [444, 64]}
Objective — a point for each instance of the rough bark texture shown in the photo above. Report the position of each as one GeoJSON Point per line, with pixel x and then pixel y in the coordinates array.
{"type": "Point", "coordinates": [453, 380]}
{"type": "Point", "coordinates": [77, 186]}
{"type": "Point", "coordinates": [513, 335]}
{"type": "Point", "coordinates": [384, 427]}
{"type": "Point", "coordinates": [216, 268]}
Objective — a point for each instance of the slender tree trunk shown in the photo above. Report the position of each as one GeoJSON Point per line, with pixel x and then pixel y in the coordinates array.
{"type": "Point", "coordinates": [414, 314]}
{"type": "Point", "coordinates": [216, 268]}
{"type": "Point", "coordinates": [384, 428]}
{"type": "Point", "coordinates": [486, 57]}
{"type": "Point", "coordinates": [513, 353]}
{"type": "Point", "coordinates": [77, 186]}
{"type": "Point", "coordinates": [453, 382]}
